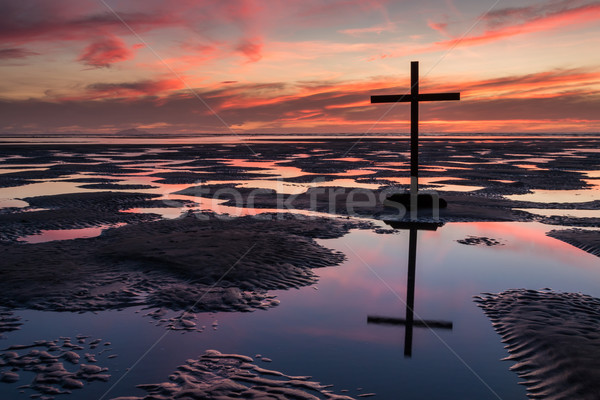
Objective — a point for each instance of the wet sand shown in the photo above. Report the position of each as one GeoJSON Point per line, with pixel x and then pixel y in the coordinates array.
{"type": "Point", "coordinates": [585, 240]}
{"type": "Point", "coordinates": [197, 263]}
{"type": "Point", "coordinates": [145, 250]}
{"type": "Point", "coordinates": [204, 262]}
{"type": "Point", "coordinates": [553, 339]}
{"type": "Point", "coordinates": [74, 211]}
{"type": "Point", "coordinates": [227, 376]}
{"type": "Point", "coordinates": [8, 321]}
{"type": "Point", "coordinates": [60, 366]}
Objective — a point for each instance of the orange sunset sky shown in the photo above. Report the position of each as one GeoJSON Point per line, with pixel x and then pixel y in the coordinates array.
{"type": "Point", "coordinates": [183, 66]}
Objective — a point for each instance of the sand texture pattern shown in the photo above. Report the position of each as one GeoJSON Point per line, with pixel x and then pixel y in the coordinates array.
{"type": "Point", "coordinates": [553, 338]}
{"type": "Point", "coordinates": [231, 376]}
{"type": "Point", "coordinates": [196, 263]}
{"type": "Point", "coordinates": [586, 240]}
{"type": "Point", "coordinates": [59, 366]}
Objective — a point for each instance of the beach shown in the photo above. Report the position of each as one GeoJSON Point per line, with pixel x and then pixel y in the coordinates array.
{"type": "Point", "coordinates": [181, 234]}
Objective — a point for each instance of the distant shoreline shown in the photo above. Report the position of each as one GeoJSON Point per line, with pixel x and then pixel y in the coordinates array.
{"type": "Point", "coordinates": [33, 139]}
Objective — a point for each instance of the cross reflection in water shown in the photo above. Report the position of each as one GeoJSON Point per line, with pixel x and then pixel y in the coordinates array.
{"type": "Point", "coordinates": [409, 322]}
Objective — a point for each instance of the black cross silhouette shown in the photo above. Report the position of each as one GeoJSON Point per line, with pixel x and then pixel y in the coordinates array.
{"type": "Point", "coordinates": [414, 98]}
{"type": "Point", "coordinates": [409, 322]}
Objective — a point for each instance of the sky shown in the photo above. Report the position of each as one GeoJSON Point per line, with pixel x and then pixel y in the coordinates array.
{"type": "Point", "coordinates": [309, 66]}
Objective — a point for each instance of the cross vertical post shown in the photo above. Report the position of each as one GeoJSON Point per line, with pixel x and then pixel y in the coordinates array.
{"type": "Point", "coordinates": [414, 137]}
{"type": "Point", "coordinates": [410, 291]}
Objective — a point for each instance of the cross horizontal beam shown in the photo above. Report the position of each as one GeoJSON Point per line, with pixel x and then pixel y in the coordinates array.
{"type": "Point", "coordinates": [405, 98]}
{"type": "Point", "coordinates": [416, 323]}
{"type": "Point", "coordinates": [420, 226]}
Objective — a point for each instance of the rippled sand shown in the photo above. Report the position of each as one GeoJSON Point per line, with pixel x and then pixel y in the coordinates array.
{"type": "Point", "coordinates": [197, 263]}
{"type": "Point", "coordinates": [227, 376]}
{"type": "Point", "coordinates": [553, 340]}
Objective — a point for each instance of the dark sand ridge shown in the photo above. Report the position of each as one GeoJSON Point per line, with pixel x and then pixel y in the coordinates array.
{"type": "Point", "coordinates": [554, 338]}
{"type": "Point", "coordinates": [220, 264]}
{"type": "Point", "coordinates": [73, 211]}
{"type": "Point", "coordinates": [232, 376]}
{"type": "Point", "coordinates": [8, 321]}
{"type": "Point", "coordinates": [368, 203]}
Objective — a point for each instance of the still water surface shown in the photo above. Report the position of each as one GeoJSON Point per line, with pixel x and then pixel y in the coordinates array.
{"type": "Point", "coordinates": [322, 331]}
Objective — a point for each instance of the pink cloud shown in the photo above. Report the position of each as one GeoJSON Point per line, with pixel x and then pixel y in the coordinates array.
{"type": "Point", "coordinates": [578, 15]}
{"type": "Point", "coordinates": [194, 55]}
{"type": "Point", "coordinates": [541, 84]}
{"type": "Point", "coordinates": [105, 52]}
{"type": "Point", "coordinates": [218, 30]}
{"type": "Point", "coordinates": [38, 21]}
{"type": "Point", "coordinates": [535, 85]}
{"type": "Point", "coordinates": [334, 10]}
{"type": "Point", "coordinates": [441, 27]}
{"type": "Point", "coordinates": [377, 29]}
{"type": "Point", "coordinates": [251, 48]}
{"type": "Point", "coordinates": [551, 19]}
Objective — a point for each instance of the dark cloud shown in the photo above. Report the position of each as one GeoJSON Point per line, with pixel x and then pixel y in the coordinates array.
{"type": "Point", "coordinates": [29, 21]}
{"type": "Point", "coordinates": [517, 15]}
{"type": "Point", "coordinates": [127, 89]}
{"type": "Point", "coordinates": [15, 53]}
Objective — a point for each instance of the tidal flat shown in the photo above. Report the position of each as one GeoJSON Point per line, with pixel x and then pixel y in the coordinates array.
{"type": "Point", "coordinates": [250, 269]}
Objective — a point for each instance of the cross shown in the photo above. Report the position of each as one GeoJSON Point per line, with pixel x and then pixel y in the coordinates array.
{"type": "Point", "coordinates": [409, 322]}
{"type": "Point", "coordinates": [414, 98]}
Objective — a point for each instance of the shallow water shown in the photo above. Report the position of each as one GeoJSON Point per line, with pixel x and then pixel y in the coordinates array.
{"type": "Point", "coordinates": [557, 196]}
{"type": "Point", "coordinates": [547, 212]}
{"type": "Point", "coordinates": [9, 203]}
{"type": "Point", "coordinates": [66, 234]}
{"type": "Point", "coordinates": [323, 331]}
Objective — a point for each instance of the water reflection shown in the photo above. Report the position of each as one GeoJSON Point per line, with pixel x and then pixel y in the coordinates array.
{"type": "Point", "coordinates": [9, 203]}
{"type": "Point", "coordinates": [556, 196]}
{"type": "Point", "coordinates": [323, 332]}
{"type": "Point", "coordinates": [67, 234]}
{"type": "Point", "coordinates": [548, 212]}
{"type": "Point", "coordinates": [409, 322]}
